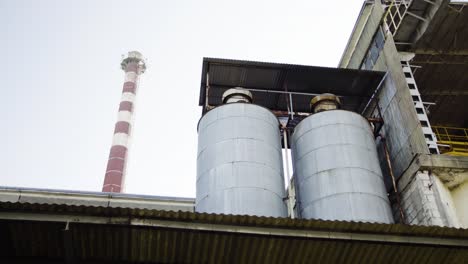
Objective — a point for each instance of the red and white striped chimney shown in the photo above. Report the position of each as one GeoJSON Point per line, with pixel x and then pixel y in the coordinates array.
{"type": "Point", "coordinates": [133, 64]}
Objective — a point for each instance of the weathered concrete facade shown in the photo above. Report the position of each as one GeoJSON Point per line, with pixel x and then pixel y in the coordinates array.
{"type": "Point", "coordinates": [402, 129]}
{"type": "Point", "coordinates": [433, 191]}
{"type": "Point", "coordinates": [432, 188]}
{"type": "Point", "coordinates": [366, 25]}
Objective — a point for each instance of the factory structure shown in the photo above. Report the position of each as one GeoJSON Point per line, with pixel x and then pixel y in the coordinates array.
{"type": "Point", "coordinates": [378, 148]}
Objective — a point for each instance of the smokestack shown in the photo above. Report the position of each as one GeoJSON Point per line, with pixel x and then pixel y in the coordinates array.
{"type": "Point", "coordinates": [133, 65]}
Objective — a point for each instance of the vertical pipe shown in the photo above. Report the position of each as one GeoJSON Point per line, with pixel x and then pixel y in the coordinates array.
{"type": "Point", "coordinates": [288, 176]}
{"type": "Point", "coordinates": [395, 188]}
{"type": "Point", "coordinates": [291, 106]}
{"type": "Point", "coordinates": [133, 65]}
{"type": "Point", "coordinates": [207, 90]}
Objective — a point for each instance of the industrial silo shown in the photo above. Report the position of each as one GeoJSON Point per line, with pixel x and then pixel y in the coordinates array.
{"type": "Point", "coordinates": [239, 162]}
{"type": "Point", "coordinates": [338, 176]}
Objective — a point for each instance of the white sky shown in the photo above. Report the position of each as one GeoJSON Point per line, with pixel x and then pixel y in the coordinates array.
{"type": "Point", "coordinates": [61, 79]}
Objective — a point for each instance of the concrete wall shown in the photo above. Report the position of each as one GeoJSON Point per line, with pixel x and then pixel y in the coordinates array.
{"type": "Point", "coordinates": [434, 191]}
{"type": "Point", "coordinates": [402, 129]}
{"type": "Point", "coordinates": [460, 199]}
{"type": "Point", "coordinates": [426, 201]}
{"type": "Point", "coordinates": [358, 40]}
{"type": "Point", "coordinates": [361, 37]}
{"type": "Point", "coordinates": [445, 202]}
{"type": "Point", "coordinates": [432, 188]}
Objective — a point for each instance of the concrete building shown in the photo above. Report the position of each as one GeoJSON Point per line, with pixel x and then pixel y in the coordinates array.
{"type": "Point", "coordinates": [403, 70]}
{"type": "Point", "coordinates": [423, 48]}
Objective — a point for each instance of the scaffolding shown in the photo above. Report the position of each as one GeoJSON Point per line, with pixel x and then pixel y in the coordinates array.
{"type": "Point", "coordinates": [452, 140]}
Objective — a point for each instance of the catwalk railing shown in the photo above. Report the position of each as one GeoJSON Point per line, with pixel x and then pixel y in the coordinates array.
{"type": "Point", "coordinates": [452, 140]}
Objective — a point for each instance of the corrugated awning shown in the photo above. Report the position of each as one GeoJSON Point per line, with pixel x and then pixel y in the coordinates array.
{"type": "Point", "coordinates": [86, 234]}
{"type": "Point", "coordinates": [266, 79]}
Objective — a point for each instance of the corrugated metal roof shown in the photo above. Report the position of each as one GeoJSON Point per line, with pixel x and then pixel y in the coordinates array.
{"type": "Point", "coordinates": [98, 244]}
{"type": "Point", "coordinates": [94, 199]}
{"type": "Point", "coordinates": [356, 86]}
{"type": "Point", "coordinates": [243, 220]}
{"type": "Point", "coordinates": [218, 242]}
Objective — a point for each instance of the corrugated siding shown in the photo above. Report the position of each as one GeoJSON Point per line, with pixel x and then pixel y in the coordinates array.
{"type": "Point", "coordinates": [240, 220]}
{"type": "Point", "coordinates": [144, 244]}
{"type": "Point", "coordinates": [155, 245]}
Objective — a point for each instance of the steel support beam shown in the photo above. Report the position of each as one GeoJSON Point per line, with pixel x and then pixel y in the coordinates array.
{"type": "Point", "coordinates": [444, 93]}
{"type": "Point", "coordinates": [462, 52]}
{"type": "Point", "coordinates": [416, 16]}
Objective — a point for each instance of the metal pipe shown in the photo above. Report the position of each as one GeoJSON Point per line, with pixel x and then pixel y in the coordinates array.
{"type": "Point", "coordinates": [374, 120]}
{"type": "Point", "coordinates": [207, 89]}
{"type": "Point", "coordinates": [286, 113]}
{"type": "Point", "coordinates": [291, 107]}
{"type": "Point", "coordinates": [286, 92]}
{"type": "Point", "coordinates": [403, 43]}
{"type": "Point", "coordinates": [390, 169]}
{"type": "Point", "coordinates": [288, 176]}
{"type": "Point", "coordinates": [429, 2]}
{"type": "Point", "coordinates": [375, 93]}
{"type": "Point", "coordinates": [416, 16]}
{"type": "Point", "coordinates": [280, 92]}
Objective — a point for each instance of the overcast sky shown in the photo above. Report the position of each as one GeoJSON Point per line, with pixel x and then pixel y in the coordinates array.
{"type": "Point", "coordinates": [61, 79]}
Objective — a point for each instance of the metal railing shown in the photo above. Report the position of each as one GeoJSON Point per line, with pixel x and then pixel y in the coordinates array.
{"type": "Point", "coordinates": [452, 140]}
{"type": "Point", "coordinates": [396, 11]}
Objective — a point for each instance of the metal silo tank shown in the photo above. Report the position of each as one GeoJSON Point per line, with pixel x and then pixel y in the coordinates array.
{"type": "Point", "coordinates": [239, 163]}
{"type": "Point", "coordinates": [338, 176]}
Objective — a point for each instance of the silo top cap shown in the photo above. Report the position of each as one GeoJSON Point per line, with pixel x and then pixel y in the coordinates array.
{"type": "Point", "coordinates": [324, 102]}
{"type": "Point", "coordinates": [325, 97]}
{"type": "Point", "coordinates": [238, 94]}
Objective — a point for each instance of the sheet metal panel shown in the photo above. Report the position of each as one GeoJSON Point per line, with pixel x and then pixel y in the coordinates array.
{"type": "Point", "coordinates": [356, 86]}
{"type": "Point", "coordinates": [239, 162]}
{"type": "Point", "coordinates": [337, 169]}
{"type": "Point", "coordinates": [43, 242]}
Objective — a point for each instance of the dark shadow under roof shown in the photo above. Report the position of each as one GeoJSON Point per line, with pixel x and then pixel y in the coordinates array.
{"type": "Point", "coordinates": [354, 86]}
{"type": "Point", "coordinates": [442, 57]}
{"type": "Point", "coordinates": [58, 233]}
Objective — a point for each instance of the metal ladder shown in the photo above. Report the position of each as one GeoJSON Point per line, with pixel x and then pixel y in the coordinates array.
{"type": "Point", "coordinates": [420, 109]}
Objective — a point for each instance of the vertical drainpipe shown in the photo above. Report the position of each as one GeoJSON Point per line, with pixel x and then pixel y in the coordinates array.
{"type": "Point", "coordinates": [133, 65]}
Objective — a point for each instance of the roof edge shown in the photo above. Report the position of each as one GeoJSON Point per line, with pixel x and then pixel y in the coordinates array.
{"type": "Point", "coordinates": [241, 224]}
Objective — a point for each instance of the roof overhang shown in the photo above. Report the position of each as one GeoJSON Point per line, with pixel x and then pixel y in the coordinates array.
{"type": "Point", "coordinates": [273, 85]}
{"type": "Point", "coordinates": [94, 199]}
{"type": "Point", "coordinates": [53, 233]}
